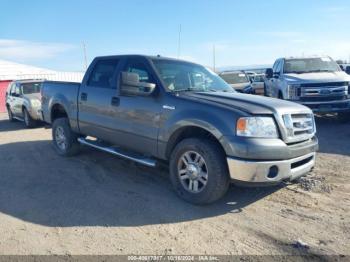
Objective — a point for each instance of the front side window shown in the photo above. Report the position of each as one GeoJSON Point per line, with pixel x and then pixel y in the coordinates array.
{"type": "Point", "coordinates": [182, 76]}
{"type": "Point", "coordinates": [30, 88]}
{"type": "Point", "coordinates": [12, 89]}
{"type": "Point", "coordinates": [275, 65]}
{"type": "Point", "coordinates": [103, 74]}
{"type": "Point", "coordinates": [310, 65]}
{"type": "Point", "coordinates": [139, 68]}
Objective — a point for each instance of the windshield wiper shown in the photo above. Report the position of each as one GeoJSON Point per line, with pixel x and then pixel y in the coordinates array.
{"type": "Point", "coordinates": [320, 70]}
{"type": "Point", "coordinates": [186, 90]}
{"type": "Point", "coordinates": [296, 72]}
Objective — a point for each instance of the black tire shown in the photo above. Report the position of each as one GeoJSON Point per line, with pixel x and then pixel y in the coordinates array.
{"type": "Point", "coordinates": [28, 120]}
{"type": "Point", "coordinates": [63, 134]}
{"type": "Point", "coordinates": [217, 181]}
{"type": "Point", "coordinates": [344, 117]}
{"type": "Point", "coordinates": [10, 114]}
{"type": "Point", "coordinates": [280, 95]}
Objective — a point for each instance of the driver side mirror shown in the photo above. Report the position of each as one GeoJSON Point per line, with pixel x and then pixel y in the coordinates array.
{"type": "Point", "coordinates": [269, 73]}
{"type": "Point", "coordinates": [347, 70]}
{"type": "Point", "coordinates": [131, 85]}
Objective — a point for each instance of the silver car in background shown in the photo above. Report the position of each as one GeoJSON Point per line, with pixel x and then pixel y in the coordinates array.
{"type": "Point", "coordinates": [258, 82]}
{"type": "Point", "coordinates": [23, 101]}
{"type": "Point", "coordinates": [239, 80]}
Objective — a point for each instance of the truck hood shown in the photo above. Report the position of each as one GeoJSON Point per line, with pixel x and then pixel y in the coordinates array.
{"type": "Point", "coordinates": [251, 104]}
{"type": "Point", "coordinates": [321, 77]}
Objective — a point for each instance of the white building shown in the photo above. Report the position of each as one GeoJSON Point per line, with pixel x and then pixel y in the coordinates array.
{"type": "Point", "coordinates": [15, 71]}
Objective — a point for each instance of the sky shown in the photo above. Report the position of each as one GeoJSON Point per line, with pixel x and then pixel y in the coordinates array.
{"type": "Point", "coordinates": [52, 34]}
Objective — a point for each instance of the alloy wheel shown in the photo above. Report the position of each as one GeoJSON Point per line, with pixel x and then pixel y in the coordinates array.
{"type": "Point", "coordinates": [60, 138]}
{"type": "Point", "coordinates": [193, 172]}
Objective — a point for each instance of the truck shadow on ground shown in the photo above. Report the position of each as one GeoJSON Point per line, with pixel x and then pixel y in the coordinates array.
{"type": "Point", "coordinates": [96, 189]}
{"type": "Point", "coordinates": [6, 125]}
{"type": "Point", "coordinates": [333, 136]}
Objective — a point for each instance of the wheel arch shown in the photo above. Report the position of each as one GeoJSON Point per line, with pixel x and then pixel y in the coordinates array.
{"type": "Point", "coordinates": [191, 131]}
{"type": "Point", "coordinates": [57, 111]}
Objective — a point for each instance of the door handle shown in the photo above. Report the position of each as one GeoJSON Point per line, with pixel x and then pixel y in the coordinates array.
{"type": "Point", "coordinates": [115, 101]}
{"type": "Point", "coordinates": [83, 96]}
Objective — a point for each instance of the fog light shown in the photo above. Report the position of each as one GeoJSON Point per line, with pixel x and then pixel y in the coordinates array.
{"type": "Point", "coordinates": [273, 172]}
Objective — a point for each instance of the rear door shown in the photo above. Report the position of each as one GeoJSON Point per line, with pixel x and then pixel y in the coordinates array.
{"type": "Point", "coordinates": [97, 100]}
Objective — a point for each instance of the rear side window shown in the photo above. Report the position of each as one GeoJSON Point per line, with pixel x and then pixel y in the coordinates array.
{"type": "Point", "coordinates": [103, 73]}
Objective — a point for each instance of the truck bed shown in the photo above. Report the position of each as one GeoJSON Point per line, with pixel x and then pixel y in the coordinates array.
{"type": "Point", "coordinates": [64, 93]}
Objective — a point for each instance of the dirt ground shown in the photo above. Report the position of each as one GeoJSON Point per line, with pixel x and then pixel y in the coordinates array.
{"type": "Point", "coordinates": [98, 204]}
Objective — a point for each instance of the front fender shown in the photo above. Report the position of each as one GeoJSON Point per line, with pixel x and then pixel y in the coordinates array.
{"type": "Point", "coordinates": [215, 122]}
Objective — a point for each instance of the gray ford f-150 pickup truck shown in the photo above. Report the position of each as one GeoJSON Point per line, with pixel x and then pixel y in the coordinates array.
{"type": "Point", "coordinates": [155, 109]}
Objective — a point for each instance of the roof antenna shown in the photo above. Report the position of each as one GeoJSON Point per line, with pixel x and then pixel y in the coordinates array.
{"type": "Point", "coordinates": [179, 44]}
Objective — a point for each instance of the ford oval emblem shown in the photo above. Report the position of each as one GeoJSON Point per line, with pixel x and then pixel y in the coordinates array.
{"type": "Point", "coordinates": [325, 91]}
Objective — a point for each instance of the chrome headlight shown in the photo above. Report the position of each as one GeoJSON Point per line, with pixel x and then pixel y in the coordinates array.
{"type": "Point", "coordinates": [292, 92]}
{"type": "Point", "coordinates": [35, 103]}
{"type": "Point", "coordinates": [263, 127]}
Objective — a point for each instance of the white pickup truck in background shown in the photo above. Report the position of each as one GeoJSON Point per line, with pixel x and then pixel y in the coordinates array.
{"type": "Point", "coordinates": [316, 82]}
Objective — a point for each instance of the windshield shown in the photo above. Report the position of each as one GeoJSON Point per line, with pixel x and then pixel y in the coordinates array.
{"type": "Point", "coordinates": [235, 78]}
{"type": "Point", "coordinates": [181, 76]}
{"type": "Point", "coordinates": [30, 88]}
{"type": "Point", "coordinates": [310, 65]}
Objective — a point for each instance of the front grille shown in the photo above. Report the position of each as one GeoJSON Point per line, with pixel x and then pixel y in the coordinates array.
{"type": "Point", "coordinates": [323, 92]}
{"type": "Point", "coordinates": [325, 84]}
{"type": "Point", "coordinates": [299, 127]}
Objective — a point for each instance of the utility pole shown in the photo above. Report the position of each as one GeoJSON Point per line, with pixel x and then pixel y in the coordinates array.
{"type": "Point", "coordinates": [85, 57]}
{"type": "Point", "coordinates": [179, 44]}
{"type": "Point", "coordinates": [214, 68]}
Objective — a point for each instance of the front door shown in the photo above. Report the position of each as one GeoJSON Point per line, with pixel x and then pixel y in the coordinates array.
{"type": "Point", "coordinates": [17, 102]}
{"type": "Point", "coordinates": [139, 116]}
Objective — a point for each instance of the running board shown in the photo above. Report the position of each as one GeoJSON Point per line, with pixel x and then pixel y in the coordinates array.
{"type": "Point", "coordinates": [18, 118]}
{"type": "Point", "coordinates": [118, 152]}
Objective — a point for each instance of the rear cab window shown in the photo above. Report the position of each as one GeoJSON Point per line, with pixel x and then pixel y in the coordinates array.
{"type": "Point", "coordinates": [30, 88]}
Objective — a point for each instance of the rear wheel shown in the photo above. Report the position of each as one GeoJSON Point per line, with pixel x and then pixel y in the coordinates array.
{"type": "Point", "coordinates": [28, 120]}
{"type": "Point", "coordinates": [10, 115]}
{"type": "Point", "coordinates": [280, 95]}
{"type": "Point", "coordinates": [65, 141]}
{"type": "Point", "coordinates": [198, 171]}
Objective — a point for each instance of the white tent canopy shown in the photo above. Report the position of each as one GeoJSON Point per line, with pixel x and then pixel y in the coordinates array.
{"type": "Point", "coordinates": [15, 71]}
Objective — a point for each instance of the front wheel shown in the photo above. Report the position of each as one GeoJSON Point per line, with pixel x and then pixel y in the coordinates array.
{"type": "Point", "coordinates": [65, 141]}
{"type": "Point", "coordinates": [28, 120]}
{"type": "Point", "coordinates": [198, 171]}
{"type": "Point", "coordinates": [10, 114]}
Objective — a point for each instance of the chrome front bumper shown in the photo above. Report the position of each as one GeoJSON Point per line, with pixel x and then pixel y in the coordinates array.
{"type": "Point", "coordinates": [270, 171]}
